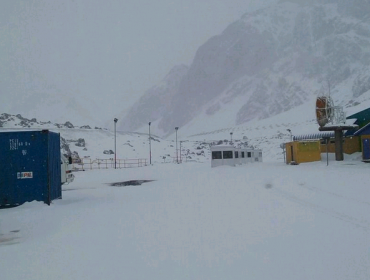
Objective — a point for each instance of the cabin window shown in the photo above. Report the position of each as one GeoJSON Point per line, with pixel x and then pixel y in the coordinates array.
{"type": "Point", "coordinates": [227, 154]}
{"type": "Point", "coordinates": [236, 154]}
{"type": "Point", "coordinates": [242, 154]}
{"type": "Point", "coordinates": [249, 154]}
{"type": "Point", "coordinates": [216, 155]}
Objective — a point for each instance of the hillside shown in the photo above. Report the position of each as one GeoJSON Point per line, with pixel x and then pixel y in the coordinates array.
{"type": "Point", "coordinates": [88, 143]}
{"type": "Point", "coordinates": [267, 63]}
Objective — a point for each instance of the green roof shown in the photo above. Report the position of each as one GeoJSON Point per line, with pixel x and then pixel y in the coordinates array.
{"type": "Point", "coordinates": [363, 117]}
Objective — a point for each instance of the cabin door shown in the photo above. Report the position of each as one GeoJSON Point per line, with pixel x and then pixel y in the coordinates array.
{"type": "Point", "coordinates": [366, 149]}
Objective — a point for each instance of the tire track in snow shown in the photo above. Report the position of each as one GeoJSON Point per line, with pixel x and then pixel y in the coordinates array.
{"type": "Point", "coordinates": [363, 224]}
{"type": "Point", "coordinates": [335, 194]}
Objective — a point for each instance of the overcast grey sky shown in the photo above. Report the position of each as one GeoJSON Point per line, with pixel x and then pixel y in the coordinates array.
{"type": "Point", "coordinates": [106, 49]}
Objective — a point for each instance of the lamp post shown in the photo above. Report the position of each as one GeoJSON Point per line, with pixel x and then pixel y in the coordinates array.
{"type": "Point", "coordinates": [150, 146]}
{"type": "Point", "coordinates": [177, 155]}
{"type": "Point", "coordinates": [231, 137]}
{"type": "Point", "coordinates": [282, 146]}
{"type": "Point", "coordinates": [180, 151]}
{"type": "Point", "coordinates": [291, 135]}
{"type": "Point", "coordinates": [115, 144]}
{"type": "Point", "coordinates": [327, 139]}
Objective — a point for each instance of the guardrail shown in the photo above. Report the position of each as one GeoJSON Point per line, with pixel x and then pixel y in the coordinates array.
{"type": "Point", "coordinates": [89, 164]}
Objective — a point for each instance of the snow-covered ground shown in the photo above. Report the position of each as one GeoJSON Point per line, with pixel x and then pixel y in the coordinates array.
{"type": "Point", "coordinates": [256, 221]}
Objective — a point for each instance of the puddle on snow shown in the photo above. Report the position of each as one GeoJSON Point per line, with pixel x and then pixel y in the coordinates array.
{"type": "Point", "coordinates": [10, 238]}
{"type": "Point", "coordinates": [130, 183]}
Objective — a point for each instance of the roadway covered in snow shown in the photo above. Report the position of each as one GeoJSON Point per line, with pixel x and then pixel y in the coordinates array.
{"type": "Point", "coordinates": [256, 221]}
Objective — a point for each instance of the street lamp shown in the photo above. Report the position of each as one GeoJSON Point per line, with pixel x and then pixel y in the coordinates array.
{"type": "Point", "coordinates": [282, 145]}
{"type": "Point", "coordinates": [150, 147]}
{"type": "Point", "coordinates": [231, 137]}
{"type": "Point", "coordinates": [291, 136]}
{"type": "Point", "coordinates": [177, 156]}
{"type": "Point", "coordinates": [327, 139]}
{"type": "Point", "coordinates": [115, 144]}
{"type": "Point", "coordinates": [180, 151]}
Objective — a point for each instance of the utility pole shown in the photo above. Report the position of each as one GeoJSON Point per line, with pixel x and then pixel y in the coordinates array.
{"type": "Point", "coordinates": [150, 147]}
{"type": "Point", "coordinates": [115, 144]}
{"type": "Point", "coordinates": [180, 151]}
{"type": "Point", "coordinates": [177, 155]}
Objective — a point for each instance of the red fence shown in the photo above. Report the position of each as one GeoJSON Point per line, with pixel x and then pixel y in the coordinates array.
{"type": "Point", "coordinates": [89, 164]}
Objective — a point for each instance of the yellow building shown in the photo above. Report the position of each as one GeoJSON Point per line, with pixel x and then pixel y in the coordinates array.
{"type": "Point", "coordinates": [303, 151]}
{"type": "Point", "coordinates": [350, 145]}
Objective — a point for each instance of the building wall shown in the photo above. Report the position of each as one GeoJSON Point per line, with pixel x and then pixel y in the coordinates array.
{"type": "Point", "coordinates": [303, 151]}
{"type": "Point", "coordinates": [350, 145]}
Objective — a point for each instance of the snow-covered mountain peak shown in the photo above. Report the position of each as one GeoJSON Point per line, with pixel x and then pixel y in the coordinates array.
{"type": "Point", "coordinates": [268, 62]}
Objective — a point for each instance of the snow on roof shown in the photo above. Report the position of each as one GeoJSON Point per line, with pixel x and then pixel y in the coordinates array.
{"type": "Point", "coordinates": [362, 129]}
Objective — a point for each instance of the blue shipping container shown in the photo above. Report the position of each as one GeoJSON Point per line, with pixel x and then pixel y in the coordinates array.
{"type": "Point", "coordinates": [30, 167]}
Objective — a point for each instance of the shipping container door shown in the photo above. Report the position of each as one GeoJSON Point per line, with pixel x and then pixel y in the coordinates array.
{"type": "Point", "coordinates": [54, 168]}
{"type": "Point", "coordinates": [22, 167]}
{"type": "Point", "coordinates": [366, 149]}
{"type": "Point", "coordinates": [6, 175]}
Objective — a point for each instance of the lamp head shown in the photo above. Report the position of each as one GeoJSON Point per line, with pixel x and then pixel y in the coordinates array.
{"type": "Point", "coordinates": [115, 120]}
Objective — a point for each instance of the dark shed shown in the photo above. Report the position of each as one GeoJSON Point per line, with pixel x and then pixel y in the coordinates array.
{"type": "Point", "coordinates": [364, 133]}
{"type": "Point", "coordinates": [29, 167]}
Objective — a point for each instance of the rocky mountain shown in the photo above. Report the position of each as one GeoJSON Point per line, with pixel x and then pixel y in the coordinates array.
{"type": "Point", "coordinates": [155, 102]}
{"type": "Point", "coordinates": [268, 62]}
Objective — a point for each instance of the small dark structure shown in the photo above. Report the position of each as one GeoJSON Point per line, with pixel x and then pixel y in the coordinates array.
{"type": "Point", "coordinates": [363, 121]}
{"type": "Point", "coordinates": [364, 134]}
{"type": "Point", "coordinates": [30, 167]}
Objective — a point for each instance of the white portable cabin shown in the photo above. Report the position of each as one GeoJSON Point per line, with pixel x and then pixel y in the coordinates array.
{"type": "Point", "coordinates": [222, 155]}
{"type": "Point", "coordinates": [232, 156]}
{"type": "Point", "coordinates": [252, 155]}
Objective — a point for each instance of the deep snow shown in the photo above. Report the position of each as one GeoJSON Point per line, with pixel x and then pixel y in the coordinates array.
{"type": "Point", "coordinates": [255, 221]}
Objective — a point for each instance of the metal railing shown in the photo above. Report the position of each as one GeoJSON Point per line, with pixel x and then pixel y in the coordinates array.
{"type": "Point", "coordinates": [89, 164]}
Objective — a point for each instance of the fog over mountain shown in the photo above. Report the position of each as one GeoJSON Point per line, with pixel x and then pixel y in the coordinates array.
{"type": "Point", "coordinates": [85, 61]}
{"type": "Point", "coordinates": [269, 61]}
